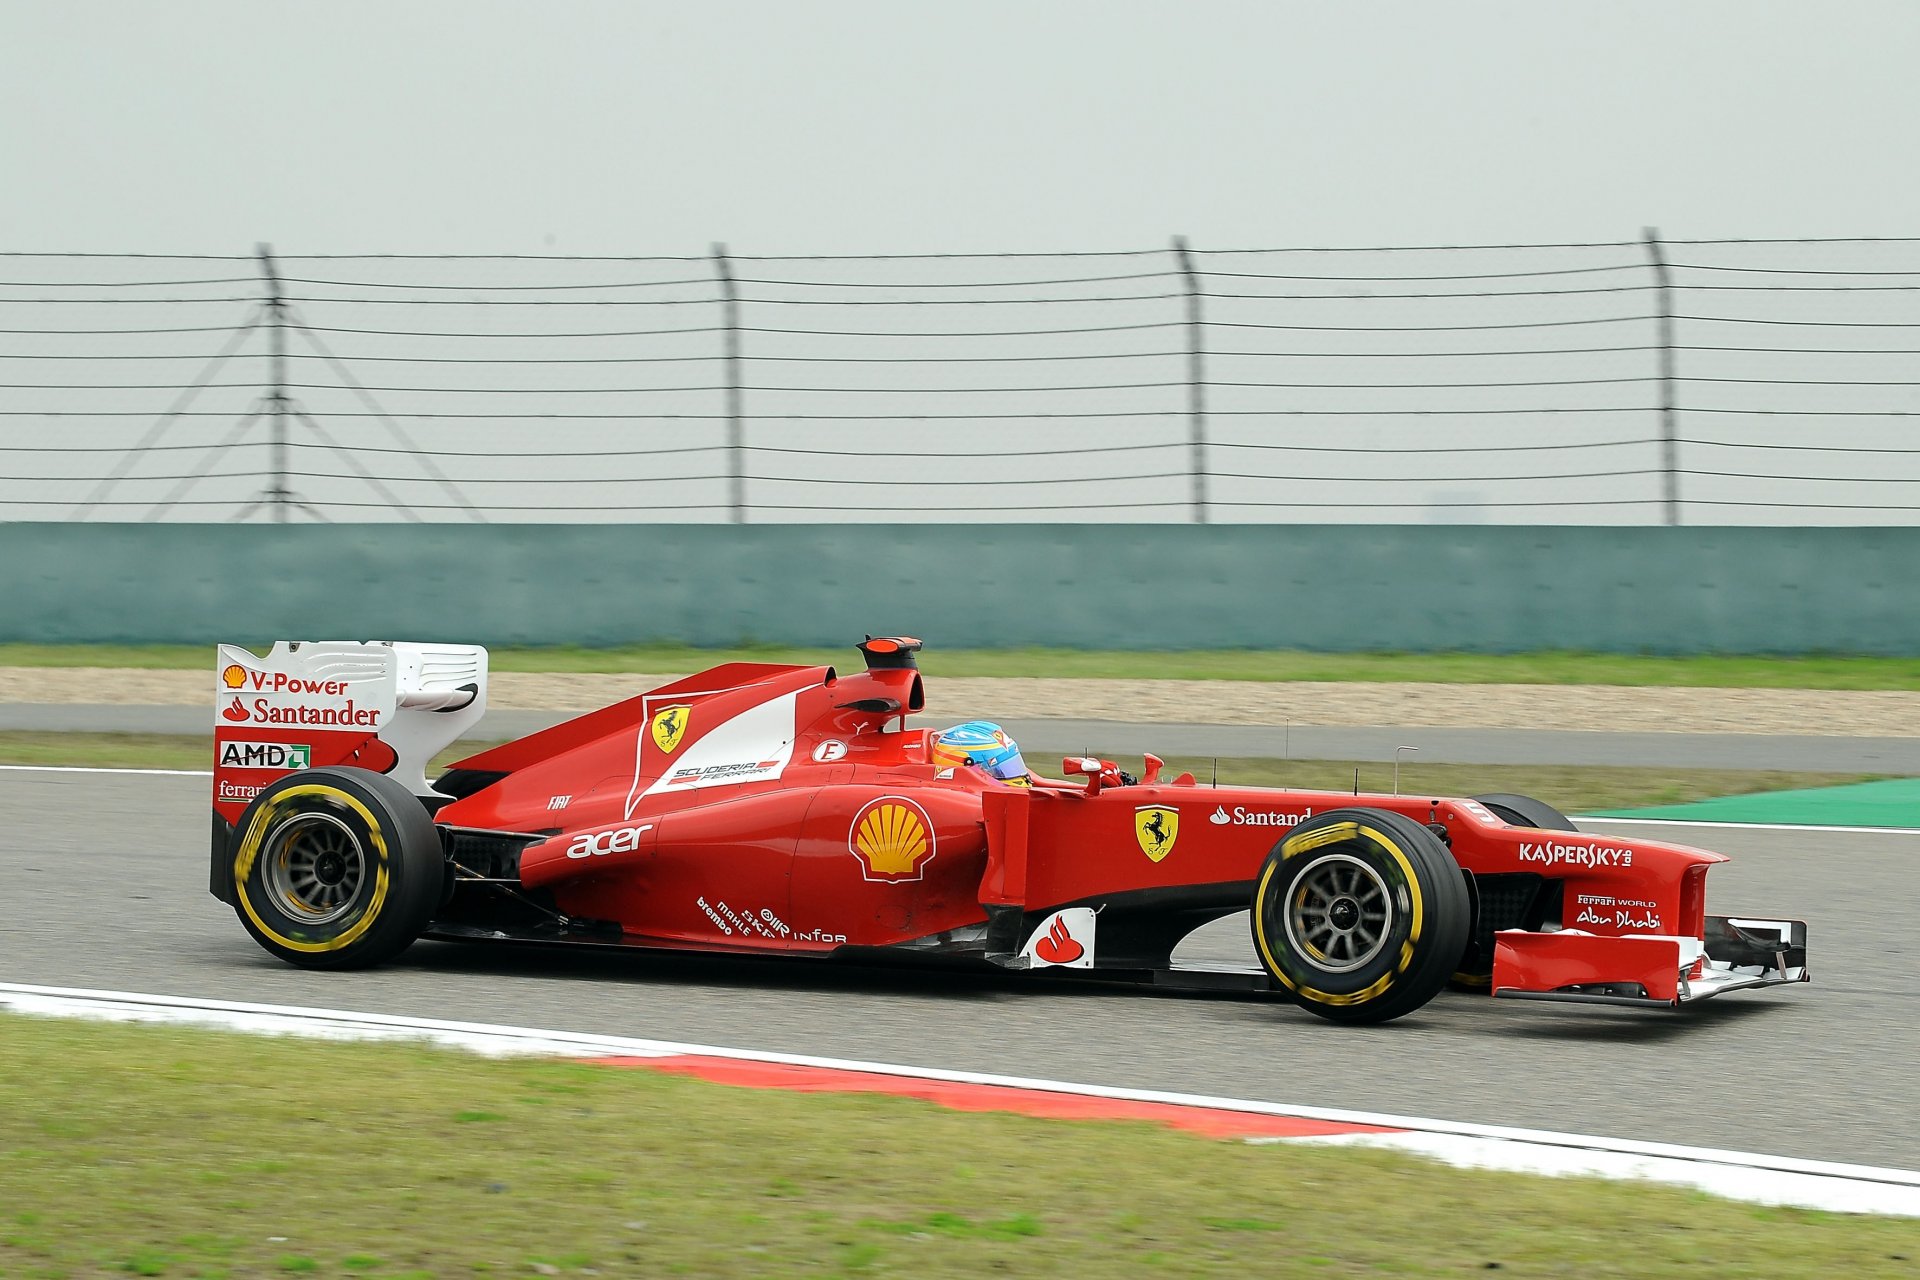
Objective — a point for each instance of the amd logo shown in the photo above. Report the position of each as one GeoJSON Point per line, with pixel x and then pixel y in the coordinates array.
{"type": "Point", "coordinates": [238, 754]}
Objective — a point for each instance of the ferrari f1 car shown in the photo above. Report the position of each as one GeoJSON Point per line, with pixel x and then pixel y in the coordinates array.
{"type": "Point", "coordinates": [789, 810]}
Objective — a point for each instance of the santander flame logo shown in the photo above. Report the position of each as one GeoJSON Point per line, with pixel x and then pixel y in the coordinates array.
{"type": "Point", "coordinates": [1059, 946]}
{"type": "Point", "coordinates": [235, 712]}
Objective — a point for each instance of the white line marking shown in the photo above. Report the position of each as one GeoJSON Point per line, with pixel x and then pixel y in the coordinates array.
{"type": "Point", "coordinates": [74, 768]}
{"type": "Point", "coordinates": [1753, 826]}
{"type": "Point", "coordinates": [1815, 1183]}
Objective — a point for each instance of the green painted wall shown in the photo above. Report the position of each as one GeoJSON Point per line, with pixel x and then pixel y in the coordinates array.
{"type": "Point", "coordinates": [1333, 587]}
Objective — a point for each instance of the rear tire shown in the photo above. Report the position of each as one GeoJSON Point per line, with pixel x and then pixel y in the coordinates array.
{"type": "Point", "coordinates": [1360, 915]}
{"type": "Point", "coordinates": [1475, 971]}
{"type": "Point", "coordinates": [336, 868]}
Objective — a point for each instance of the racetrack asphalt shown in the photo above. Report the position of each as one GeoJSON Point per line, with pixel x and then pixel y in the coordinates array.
{"type": "Point", "coordinates": [105, 877]}
{"type": "Point", "coordinates": [1811, 752]}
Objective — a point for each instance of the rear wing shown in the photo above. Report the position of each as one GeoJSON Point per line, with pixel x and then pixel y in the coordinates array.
{"type": "Point", "coordinates": [381, 705]}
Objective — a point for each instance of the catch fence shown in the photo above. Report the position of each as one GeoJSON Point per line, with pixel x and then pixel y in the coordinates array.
{"type": "Point", "coordinates": [1643, 381]}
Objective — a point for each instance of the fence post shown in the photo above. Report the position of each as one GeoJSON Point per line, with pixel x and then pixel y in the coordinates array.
{"type": "Point", "coordinates": [736, 423]}
{"type": "Point", "coordinates": [1669, 408]}
{"type": "Point", "coordinates": [277, 492]}
{"type": "Point", "coordinates": [1196, 381]}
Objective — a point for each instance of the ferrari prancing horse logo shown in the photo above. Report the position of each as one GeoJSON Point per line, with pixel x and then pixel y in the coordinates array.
{"type": "Point", "coordinates": [669, 725]}
{"type": "Point", "coordinates": [1156, 827]}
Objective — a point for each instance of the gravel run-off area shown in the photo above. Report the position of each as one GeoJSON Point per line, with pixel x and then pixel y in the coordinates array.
{"type": "Point", "coordinates": [1843, 713]}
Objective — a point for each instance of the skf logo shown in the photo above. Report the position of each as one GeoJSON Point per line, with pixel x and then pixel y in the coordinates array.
{"type": "Point", "coordinates": [1156, 828]}
{"type": "Point", "coordinates": [234, 676]}
{"type": "Point", "coordinates": [893, 838]}
{"type": "Point", "coordinates": [669, 726]}
{"type": "Point", "coordinates": [600, 843]}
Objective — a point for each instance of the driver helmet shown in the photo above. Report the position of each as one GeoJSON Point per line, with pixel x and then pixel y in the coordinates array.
{"type": "Point", "coordinates": [982, 745]}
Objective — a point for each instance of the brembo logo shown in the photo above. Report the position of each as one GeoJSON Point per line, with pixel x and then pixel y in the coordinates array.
{"type": "Point", "coordinates": [600, 843]}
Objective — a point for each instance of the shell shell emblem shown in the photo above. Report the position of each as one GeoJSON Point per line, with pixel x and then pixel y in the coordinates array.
{"type": "Point", "coordinates": [234, 676]}
{"type": "Point", "coordinates": [893, 839]}
{"type": "Point", "coordinates": [669, 726]}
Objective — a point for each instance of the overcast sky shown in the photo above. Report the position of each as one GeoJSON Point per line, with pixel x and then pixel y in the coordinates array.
{"type": "Point", "coordinates": [625, 127]}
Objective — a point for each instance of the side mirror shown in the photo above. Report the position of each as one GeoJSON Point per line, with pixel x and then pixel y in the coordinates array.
{"type": "Point", "coordinates": [1151, 773]}
{"type": "Point", "coordinates": [1087, 767]}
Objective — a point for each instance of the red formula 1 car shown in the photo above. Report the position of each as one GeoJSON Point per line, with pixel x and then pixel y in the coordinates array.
{"type": "Point", "coordinates": [785, 810]}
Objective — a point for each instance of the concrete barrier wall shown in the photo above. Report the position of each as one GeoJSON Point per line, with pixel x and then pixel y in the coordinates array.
{"type": "Point", "coordinates": [1330, 587]}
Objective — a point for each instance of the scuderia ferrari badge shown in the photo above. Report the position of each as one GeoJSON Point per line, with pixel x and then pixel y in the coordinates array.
{"type": "Point", "coordinates": [669, 726]}
{"type": "Point", "coordinates": [1156, 827]}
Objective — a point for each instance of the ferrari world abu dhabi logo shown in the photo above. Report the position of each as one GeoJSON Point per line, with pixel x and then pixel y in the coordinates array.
{"type": "Point", "coordinates": [893, 838]}
{"type": "Point", "coordinates": [1156, 827]}
{"type": "Point", "coordinates": [669, 726]}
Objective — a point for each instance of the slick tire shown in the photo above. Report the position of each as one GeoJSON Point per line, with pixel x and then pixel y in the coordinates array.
{"type": "Point", "coordinates": [1360, 915]}
{"type": "Point", "coordinates": [336, 868]}
{"type": "Point", "coordinates": [1475, 970]}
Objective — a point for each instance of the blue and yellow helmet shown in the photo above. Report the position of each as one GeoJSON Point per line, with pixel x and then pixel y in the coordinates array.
{"type": "Point", "coordinates": [982, 745]}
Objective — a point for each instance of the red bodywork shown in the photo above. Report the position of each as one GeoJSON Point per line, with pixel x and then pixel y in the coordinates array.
{"type": "Point", "coordinates": [784, 809]}
{"type": "Point", "coordinates": [788, 861]}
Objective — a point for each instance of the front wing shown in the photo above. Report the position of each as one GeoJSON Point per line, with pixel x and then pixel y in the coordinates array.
{"type": "Point", "coordinates": [1569, 964]}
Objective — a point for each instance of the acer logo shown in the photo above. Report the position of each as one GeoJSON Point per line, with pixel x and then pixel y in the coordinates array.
{"type": "Point", "coordinates": [600, 843]}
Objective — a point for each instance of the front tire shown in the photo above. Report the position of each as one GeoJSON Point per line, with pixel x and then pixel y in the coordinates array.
{"type": "Point", "coordinates": [1475, 970]}
{"type": "Point", "coordinates": [1360, 915]}
{"type": "Point", "coordinates": [336, 868]}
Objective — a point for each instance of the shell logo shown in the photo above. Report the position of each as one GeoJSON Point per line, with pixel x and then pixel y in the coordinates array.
{"type": "Point", "coordinates": [893, 839]}
{"type": "Point", "coordinates": [234, 676]}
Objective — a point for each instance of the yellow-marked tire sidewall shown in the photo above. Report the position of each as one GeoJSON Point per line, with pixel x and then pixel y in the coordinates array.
{"type": "Point", "coordinates": [400, 880]}
{"type": "Point", "coordinates": [252, 847]}
{"type": "Point", "coordinates": [1308, 982]}
{"type": "Point", "coordinates": [1423, 940]}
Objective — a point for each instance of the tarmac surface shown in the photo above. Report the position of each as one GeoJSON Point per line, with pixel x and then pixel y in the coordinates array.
{"type": "Point", "coordinates": [106, 887]}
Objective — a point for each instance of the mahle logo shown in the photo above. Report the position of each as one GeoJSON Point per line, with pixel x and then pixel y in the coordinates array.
{"type": "Point", "coordinates": [238, 754]}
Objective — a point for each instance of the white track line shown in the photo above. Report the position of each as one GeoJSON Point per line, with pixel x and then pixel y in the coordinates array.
{"type": "Point", "coordinates": [1753, 826]}
{"type": "Point", "coordinates": [1742, 1175]}
{"type": "Point", "coordinates": [74, 768]}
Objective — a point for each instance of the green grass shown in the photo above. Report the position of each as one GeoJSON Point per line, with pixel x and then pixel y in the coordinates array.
{"type": "Point", "coordinates": [168, 1152]}
{"type": "Point", "coordinates": [1817, 672]}
{"type": "Point", "coordinates": [1571, 788]}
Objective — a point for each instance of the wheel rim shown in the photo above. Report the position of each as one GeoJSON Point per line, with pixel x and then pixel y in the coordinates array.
{"type": "Point", "coordinates": [1340, 913]}
{"type": "Point", "coordinates": [315, 868]}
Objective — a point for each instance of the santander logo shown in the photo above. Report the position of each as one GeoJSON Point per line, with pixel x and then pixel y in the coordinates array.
{"type": "Point", "coordinates": [1059, 946]}
{"type": "Point", "coordinates": [236, 712]}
